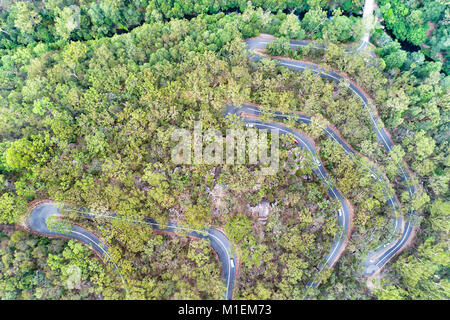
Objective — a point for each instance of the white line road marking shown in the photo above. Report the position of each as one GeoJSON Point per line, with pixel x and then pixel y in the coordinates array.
{"type": "Point", "coordinates": [367, 107]}
{"type": "Point", "coordinates": [338, 244]}
{"type": "Point", "coordinates": [167, 226]}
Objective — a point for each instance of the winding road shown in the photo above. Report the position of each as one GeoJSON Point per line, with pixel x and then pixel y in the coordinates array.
{"type": "Point", "coordinates": [378, 258]}
{"type": "Point", "coordinates": [343, 213]}
{"type": "Point", "coordinates": [37, 222]}
{"type": "Point", "coordinates": [220, 243]}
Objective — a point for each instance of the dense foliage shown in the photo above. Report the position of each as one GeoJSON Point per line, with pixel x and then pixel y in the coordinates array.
{"type": "Point", "coordinates": [91, 93]}
{"type": "Point", "coordinates": [421, 23]}
{"type": "Point", "coordinates": [39, 268]}
{"type": "Point", "coordinates": [56, 21]}
{"type": "Point", "coordinates": [412, 99]}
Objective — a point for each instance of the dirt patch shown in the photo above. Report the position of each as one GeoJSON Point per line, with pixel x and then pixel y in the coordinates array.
{"type": "Point", "coordinates": [261, 211]}
{"type": "Point", "coordinates": [10, 228]}
{"type": "Point", "coordinates": [265, 36]}
{"type": "Point", "coordinates": [36, 202]}
{"type": "Point", "coordinates": [218, 195]}
{"type": "Point", "coordinates": [410, 241]}
{"type": "Point", "coordinates": [432, 26]}
{"type": "Point", "coordinates": [373, 282]}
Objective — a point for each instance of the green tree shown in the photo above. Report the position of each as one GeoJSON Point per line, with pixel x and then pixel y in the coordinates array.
{"type": "Point", "coordinates": [26, 18]}
{"type": "Point", "coordinates": [11, 208]}
{"type": "Point", "coordinates": [68, 20]}
{"type": "Point", "coordinates": [291, 28]}
{"type": "Point", "coordinates": [197, 216]}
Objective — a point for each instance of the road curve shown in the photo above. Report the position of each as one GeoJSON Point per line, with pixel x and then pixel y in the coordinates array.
{"type": "Point", "coordinates": [343, 213]}
{"type": "Point", "coordinates": [367, 20]}
{"type": "Point", "coordinates": [385, 252]}
{"type": "Point", "coordinates": [37, 221]}
{"type": "Point", "coordinates": [220, 243]}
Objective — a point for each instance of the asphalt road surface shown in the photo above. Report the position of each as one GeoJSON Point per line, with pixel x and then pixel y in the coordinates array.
{"type": "Point", "coordinates": [334, 193]}
{"type": "Point", "coordinates": [220, 243]}
{"type": "Point", "coordinates": [387, 251]}
{"type": "Point", "coordinates": [37, 221]}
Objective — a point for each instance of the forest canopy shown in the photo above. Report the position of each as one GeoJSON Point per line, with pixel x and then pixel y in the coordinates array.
{"type": "Point", "coordinates": [92, 91]}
